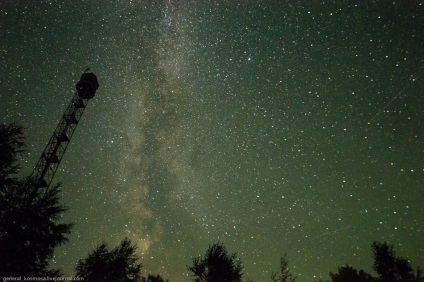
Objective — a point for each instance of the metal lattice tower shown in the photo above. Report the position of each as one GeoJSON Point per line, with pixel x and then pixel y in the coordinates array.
{"type": "Point", "coordinates": [52, 155]}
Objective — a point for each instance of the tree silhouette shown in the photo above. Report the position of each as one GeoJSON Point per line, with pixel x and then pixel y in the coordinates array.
{"type": "Point", "coordinates": [349, 274]}
{"type": "Point", "coordinates": [153, 278]}
{"type": "Point", "coordinates": [11, 146]}
{"type": "Point", "coordinates": [384, 261]}
{"type": "Point", "coordinates": [216, 266]}
{"type": "Point", "coordinates": [390, 267]}
{"type": "Point", "coordinates": [29, 231]}
{"type": "Point", "coordinates": [119, 264]}
{"type": "Point", "coordinates": [285, 276]}
{"type": "Point", "coordinates": [419, 274]}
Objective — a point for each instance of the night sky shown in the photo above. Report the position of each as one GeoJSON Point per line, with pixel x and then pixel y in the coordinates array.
{"type": "Point", "coordinates": [271, 126]}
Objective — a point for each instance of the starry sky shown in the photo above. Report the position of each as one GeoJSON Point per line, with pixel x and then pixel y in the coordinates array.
{"type": "Point", "coordinates": [271, 126]}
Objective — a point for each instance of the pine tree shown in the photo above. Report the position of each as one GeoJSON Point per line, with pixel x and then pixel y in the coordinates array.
{"type": "Point", "coordinates": [389, 266]}
{"type": "Point", "coordinates": [286, 275]}
{"type": "Point", "coordinates": [29, 231]}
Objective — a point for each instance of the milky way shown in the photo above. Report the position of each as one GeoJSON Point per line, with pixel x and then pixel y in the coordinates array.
{"type": "Point", "coordinates": [272, 126]}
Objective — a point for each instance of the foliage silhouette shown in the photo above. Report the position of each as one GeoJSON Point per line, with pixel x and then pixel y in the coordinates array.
{"type": "Point", "coordinates": [11, 146]}
{"type": "Point", "coordinates": [29, 231]}
{"type": "Point", "coordinates": [349, 274]}
{"type": "Point", "coordinates": [285, 276]}
{"type": "Point", "coordinates": [390, 267]}
{"type": "Point", "coordinates": [153, 278]}
{"type": "Point", "coordinates": [216, 266]}
{"type": "Point", "coordinates": [119, 264]}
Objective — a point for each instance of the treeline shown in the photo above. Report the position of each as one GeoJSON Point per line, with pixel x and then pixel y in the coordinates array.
{"type": "Point", "coordinates": [30, 230]}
